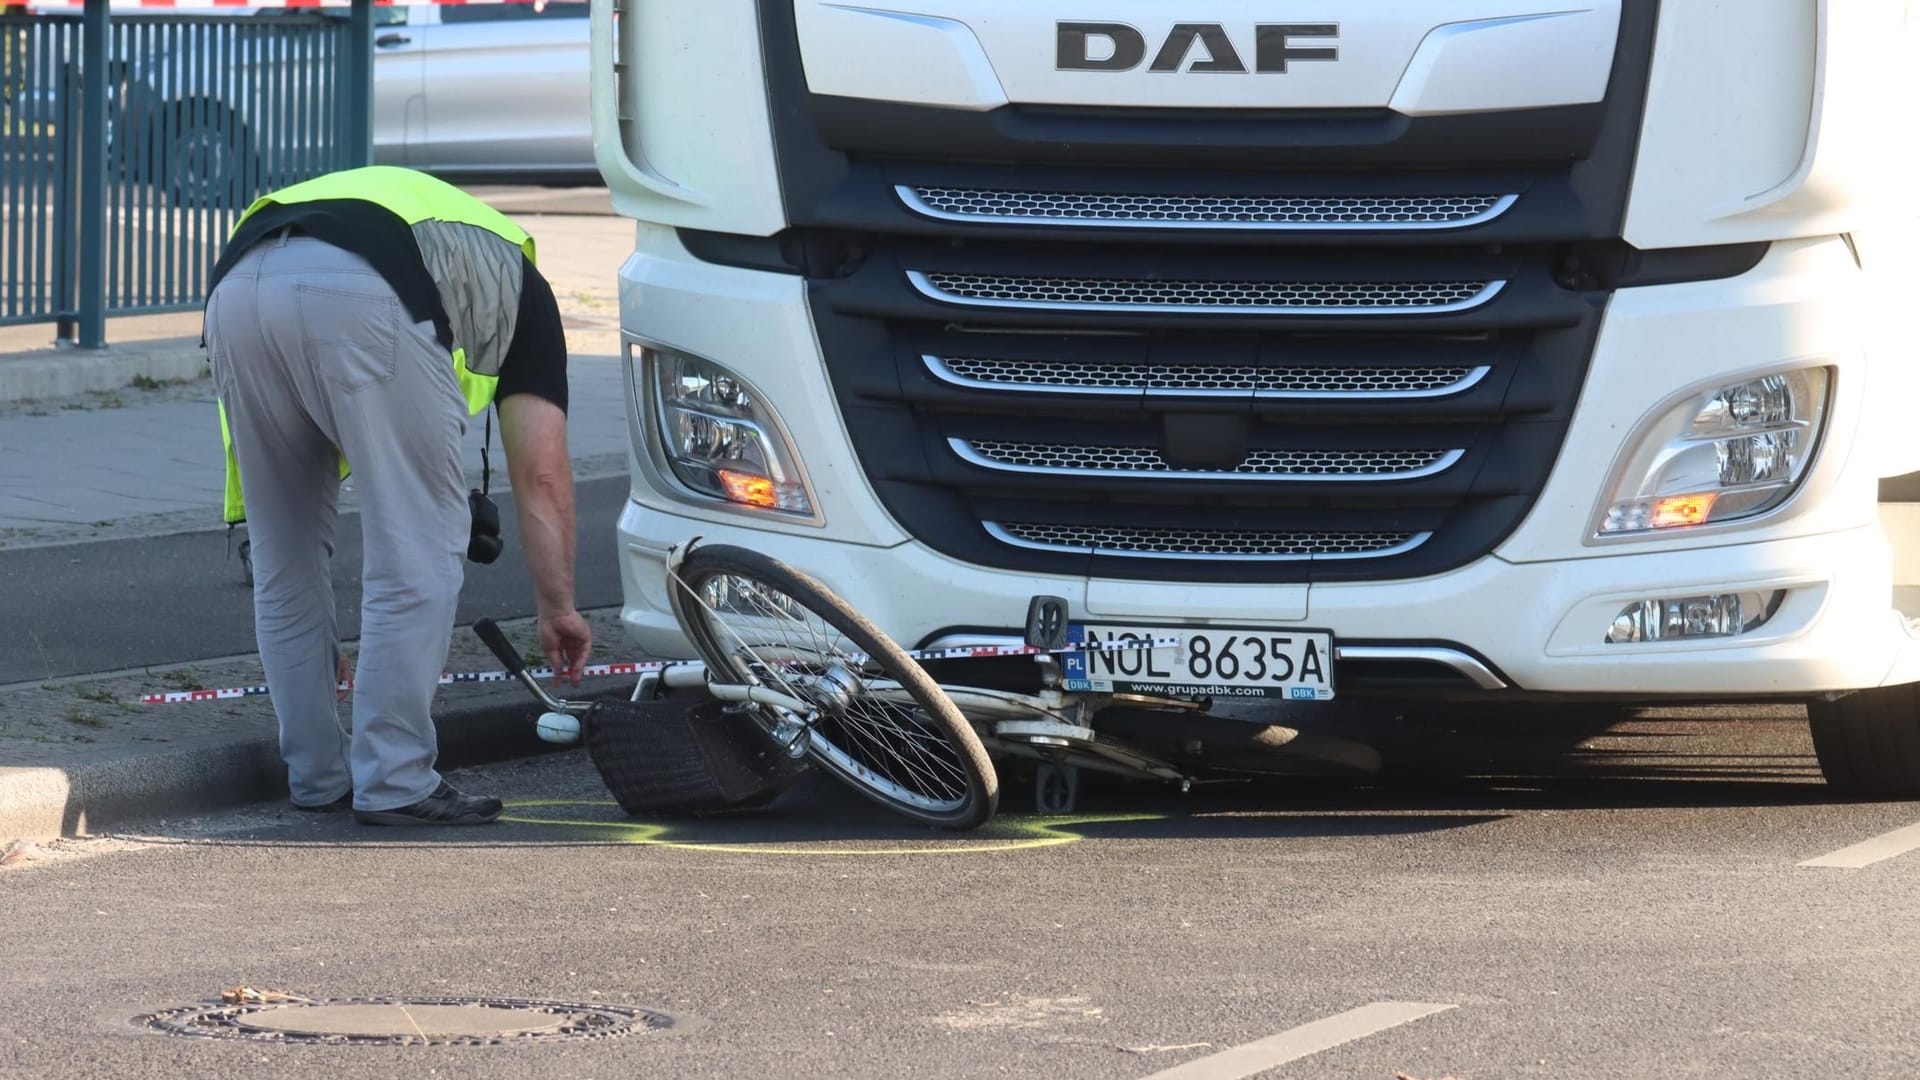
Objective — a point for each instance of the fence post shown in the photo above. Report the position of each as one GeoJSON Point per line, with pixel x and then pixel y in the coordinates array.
{"type": "Point", "coordinates": [93, 175]}
{"type": "Point", "coordinates": [359, 126]}
{"type": "Point", "coordinates": [61, 170]}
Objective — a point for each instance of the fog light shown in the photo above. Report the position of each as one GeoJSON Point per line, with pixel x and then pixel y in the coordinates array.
{"type": "Point", "coordinates": [1690, 618]}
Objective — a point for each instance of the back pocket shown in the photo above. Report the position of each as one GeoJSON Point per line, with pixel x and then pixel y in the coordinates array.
{"type": "Point", "coordinates": [351, 337]}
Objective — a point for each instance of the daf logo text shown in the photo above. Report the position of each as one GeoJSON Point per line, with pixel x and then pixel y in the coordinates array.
{"type": "Point", "coordinates": [1112, 46]}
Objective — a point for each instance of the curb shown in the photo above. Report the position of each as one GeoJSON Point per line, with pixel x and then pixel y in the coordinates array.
{"type": "Point", "coordinates": [67, 372]}
{"type": "Point", "coordinates": [44, 803]}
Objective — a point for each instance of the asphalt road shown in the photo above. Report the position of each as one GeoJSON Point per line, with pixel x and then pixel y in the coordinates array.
{"type": "Point", "coordinates": [110, 605]}
{"type": "Point", "coordinates": [1542, 900]}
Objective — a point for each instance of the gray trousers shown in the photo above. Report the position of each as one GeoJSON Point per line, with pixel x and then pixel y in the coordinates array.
{"type": "Point", "coordinates": [312, 351]}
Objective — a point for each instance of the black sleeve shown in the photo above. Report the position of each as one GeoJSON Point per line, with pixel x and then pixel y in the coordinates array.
{"type": "Point", "coordinates": [536, 362]}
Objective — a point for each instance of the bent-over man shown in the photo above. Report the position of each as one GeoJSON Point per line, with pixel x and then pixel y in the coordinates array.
{"type": "Point", "coordinates": [360, 319]}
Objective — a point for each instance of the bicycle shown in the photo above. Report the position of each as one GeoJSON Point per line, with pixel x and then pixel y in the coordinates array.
{"type": "Point", "coordinates": [823, 682]}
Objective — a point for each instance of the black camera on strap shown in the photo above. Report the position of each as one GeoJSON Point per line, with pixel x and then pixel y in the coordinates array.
{"type": "Point", "coordinates": [483, 542]}
{"type": "Point", "coordinates": [483, 538]}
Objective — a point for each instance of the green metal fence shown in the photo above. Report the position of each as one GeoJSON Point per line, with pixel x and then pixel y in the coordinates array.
{"type": "Point", "coordinates": [116, 198]}
{"type": "Point", "coordinates": [39, 127]}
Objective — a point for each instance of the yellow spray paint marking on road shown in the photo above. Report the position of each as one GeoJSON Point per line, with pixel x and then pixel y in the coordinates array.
{"type": "Point", "coordinates": [1026, 833]}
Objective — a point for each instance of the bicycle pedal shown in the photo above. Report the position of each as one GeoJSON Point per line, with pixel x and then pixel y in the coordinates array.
{"type": "Point", "coordinates": [1056, 789]}
{"type": "Point", "coordinates": [1047, 622]}
{"type": "Point", "coordinates": [650, 687]}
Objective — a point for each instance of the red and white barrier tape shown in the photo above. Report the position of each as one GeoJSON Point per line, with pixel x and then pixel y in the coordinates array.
{"type": "Point", "coordinates": [231, 692]}
{"type": "Point", "coordinates": [596, 671]}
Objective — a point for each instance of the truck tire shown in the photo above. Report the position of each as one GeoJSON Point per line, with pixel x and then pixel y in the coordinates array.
{"type": "Point", "coordinates": [1868, 742]}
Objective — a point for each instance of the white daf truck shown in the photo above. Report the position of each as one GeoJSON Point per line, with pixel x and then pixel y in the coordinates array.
{"type": "Point", "coordinates": [1504, 349]}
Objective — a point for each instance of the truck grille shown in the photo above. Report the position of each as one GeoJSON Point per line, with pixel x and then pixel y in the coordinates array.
{"type": "Point", "coordinates": [1148, 294]}
{"type": "Point", "coordinates": [1062, 409]}
{"type": "Point", "coordinates": [1260, 464]}
{"type": "Point", "coordinates": [1205, 380]}
{"type": "Point", "coordinates": [1235, 544]}
{"type": "Point", "coordinates": [1086, 209]}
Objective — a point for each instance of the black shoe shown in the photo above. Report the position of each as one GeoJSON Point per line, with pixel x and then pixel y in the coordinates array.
{"type": "Point", "coordinates": [344, 802]}
{"type": "Point", "coordinates": [446, 806]}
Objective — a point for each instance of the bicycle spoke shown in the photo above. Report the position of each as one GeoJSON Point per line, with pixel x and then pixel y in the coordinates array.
{"type": "Point", "coordinates": [906, 727]}
{"type": "Point", "coordinates": [891, 735]}
{"type": "Point", "coordinates": [887, 759]}
{"type": "Point", "coordinates": [886, 739]}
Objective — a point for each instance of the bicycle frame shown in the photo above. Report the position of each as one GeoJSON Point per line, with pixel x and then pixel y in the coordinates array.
{"type": "Point", "coordinates": [977, 703]}
{"type": "Point", "coordinates": [1048, 727]}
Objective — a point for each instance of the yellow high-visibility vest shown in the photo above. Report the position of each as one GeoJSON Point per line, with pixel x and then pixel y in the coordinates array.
{"type": "Point", "coordinates": [478, 311]}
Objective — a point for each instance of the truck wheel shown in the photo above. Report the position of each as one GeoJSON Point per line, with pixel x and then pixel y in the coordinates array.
{"type": "Point", "coordinates": [1868, 742]}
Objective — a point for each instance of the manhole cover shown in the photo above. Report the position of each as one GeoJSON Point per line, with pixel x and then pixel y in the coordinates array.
{"type": "Point", "coordinates": [407, 1021]}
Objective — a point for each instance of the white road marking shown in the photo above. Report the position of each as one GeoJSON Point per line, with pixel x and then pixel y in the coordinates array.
{"type": "Point", "coordinates": [1303, 1041]}
{"type": "Point", "coordinates": [1867, 852]}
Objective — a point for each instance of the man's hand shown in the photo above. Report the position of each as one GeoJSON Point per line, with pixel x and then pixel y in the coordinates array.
{"type": "Point", "coordinates": [343, 672]}
{"type": "Point", "coordinates": [567, 642]}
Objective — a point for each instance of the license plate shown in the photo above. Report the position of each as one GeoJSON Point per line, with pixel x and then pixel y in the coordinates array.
{"type": "Point", "coordinates": [1209, 662]}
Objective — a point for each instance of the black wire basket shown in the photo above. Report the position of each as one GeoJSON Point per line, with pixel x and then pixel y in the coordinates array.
{"type": "Point", "coordinates": [667, 755]}
{"type": "Point", "coordinates": [668, 758]}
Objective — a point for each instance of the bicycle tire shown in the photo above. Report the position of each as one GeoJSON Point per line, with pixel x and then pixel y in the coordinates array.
{"type": "Point", "coordinates": [853, 744]}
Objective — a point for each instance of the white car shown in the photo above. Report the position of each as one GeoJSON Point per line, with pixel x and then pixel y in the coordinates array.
{"type": "Point", "coordinates": [494, 90]}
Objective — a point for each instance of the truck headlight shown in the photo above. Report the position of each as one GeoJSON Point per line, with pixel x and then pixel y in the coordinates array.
{"type": "Point", "coordinates": [718, 435]}
{"type": "Point", "coordinates": [1733, 452]}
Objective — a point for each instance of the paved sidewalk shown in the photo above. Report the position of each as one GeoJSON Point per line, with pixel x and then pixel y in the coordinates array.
{"type": "Point", "coordinates": [147, 460]}
{"type": "Point", "coordinates": [83, 756]}
{"type": "Point", "coordinates": [142, 455]}
{"type": "Point", "coordinates": [122, 442]}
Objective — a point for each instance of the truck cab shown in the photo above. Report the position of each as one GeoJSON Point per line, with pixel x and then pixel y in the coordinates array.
{"type": "Point", "coordinates": [1484, 348]}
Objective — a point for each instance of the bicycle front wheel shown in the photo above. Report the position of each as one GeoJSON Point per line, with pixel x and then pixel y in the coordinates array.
{"type": "Point", "coordinates": [756, 620]}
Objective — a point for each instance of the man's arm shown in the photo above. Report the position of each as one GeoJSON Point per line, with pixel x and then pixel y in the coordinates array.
{"type": "Point", "coordinates": [533, 431]}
